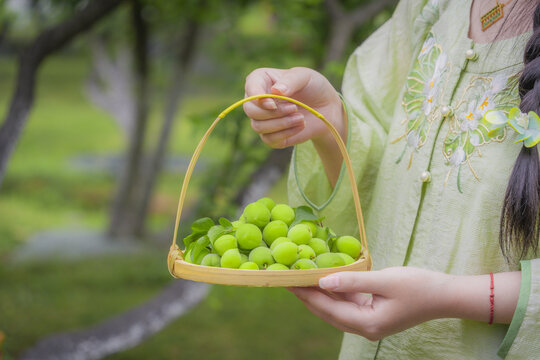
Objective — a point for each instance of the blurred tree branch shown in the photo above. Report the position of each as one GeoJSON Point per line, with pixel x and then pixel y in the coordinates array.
{"type": "Point", "coordinates": [50, 40]}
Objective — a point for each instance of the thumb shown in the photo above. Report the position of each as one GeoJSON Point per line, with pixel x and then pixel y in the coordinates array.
{"type": "Point", "coordinates": [292, 81]}
{"type": "Point", "coordinates": [355, 281]}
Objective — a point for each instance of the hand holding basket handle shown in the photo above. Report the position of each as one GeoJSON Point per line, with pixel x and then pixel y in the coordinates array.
{"type": "Point", "coordinates": [281, 124]}
{"type": "Point", "coordinates": [180, 268]}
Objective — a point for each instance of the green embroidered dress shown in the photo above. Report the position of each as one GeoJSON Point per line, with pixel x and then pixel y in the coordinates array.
{"type": "Point", "coordinates": [431, 177]}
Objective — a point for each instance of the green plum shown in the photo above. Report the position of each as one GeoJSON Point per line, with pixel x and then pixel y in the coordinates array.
{"type": "Point", "coordinates": [348, 260]}
{"type": "Point", "coordinates": [257, 214]}
{"type": "Point", "coordinates": [274, 230]}
{"type": "Point", "coordinates": [224, 243]}
{"type": "Point", "coordinates": [284, 213]}
{"type": "Point", "coordinates": [249, 265]}
{"type": "Point", "coordinates": [328, 260]}
{"type": "Point", "coordinates": [231, 259]}
{"type": "Point", "coordinates": [249, 236]}
{"type": "Point", "coordinates": [349, 245]}
{"type": "Point", "coordinates": [269, 203]}
{"type": "Point", "coordinates": [306, 252]}
{"type": "Point", "coordinates": [244, 258]}
{"type": "Point", "coordinates": [299, 234]}
{"type": "Point", "coordinates": [278, 241]}
{"type": "Point", "coordinates": [321, 233]}
{"type": "Point", "coordinates": [211, 260]}
{"type": "Point", "coordinates": [236, 223]}
{"type": "Point", "coordinates": [262, 256]}
{"type": "Point", "coordinates": [304, 264]}
{"type": "Point", "coordinates": [311, 226]}
{"type": "Point", "coordinates": [277, 266]}
{"type": "Point", "coordinates": [319, 246]}
{"type": "Point", "coordinates": [286, 253]}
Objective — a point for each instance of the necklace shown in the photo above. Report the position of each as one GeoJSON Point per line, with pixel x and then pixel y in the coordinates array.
{"type": "Point", "coordinates": [493, 15]}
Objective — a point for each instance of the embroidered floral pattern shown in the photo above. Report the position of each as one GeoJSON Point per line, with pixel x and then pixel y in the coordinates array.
{"type": "Point", "coordinates": [423, 91]}
{"type": "Point", "coordinates": [469, 129]}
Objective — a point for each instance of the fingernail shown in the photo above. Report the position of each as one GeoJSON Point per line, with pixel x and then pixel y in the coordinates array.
{"type": "Point", "coordinates": [297, 118]}
{"type": "Point", "coordinates": [288, 108]}
{"type": "Point", "coordinates": [282, 88]}
{"type": "Point", "coordinates": [329, 282]}
{"type": "Point", "coordinates": [270, 104]}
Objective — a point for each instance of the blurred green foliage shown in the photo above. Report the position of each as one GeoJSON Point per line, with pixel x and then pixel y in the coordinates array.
{"type": "Point", "coordinates": [43, 190]}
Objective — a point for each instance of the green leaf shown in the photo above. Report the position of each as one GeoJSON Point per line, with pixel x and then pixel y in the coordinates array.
{"type": "Point", "coordinates": [514, 113]}
{"type": "Point", "coordinates": [534, 121]}
{"type": "Point", "coordinates": [495, 117]}
{"type": "Point", "coordinates": [305, 213]}
{"type": "Point", "coordinates": [225, 223]}
{"type": "Point", "coordinates": [202, 225]}
{"type": "Point", "coordinates": [514, 125]}
{"type": "Point", "coordinates": [216, 231]}
{"type": "Point", "coordinates": [199, 246]}
{"type": "Point", "coordinates": [523, 137]}
{"type": "Point", "coordinates": [494, 120]}
{"type": "Point", "coordinates": [533, 139]}
{"type": "Point", "coordinates": [189, 239]}
{"type": "Point", "coordinates": [187, 252]}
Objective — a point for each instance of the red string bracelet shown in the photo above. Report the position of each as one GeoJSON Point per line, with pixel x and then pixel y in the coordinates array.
{"type": "Point", "coordinates": [491, 299]}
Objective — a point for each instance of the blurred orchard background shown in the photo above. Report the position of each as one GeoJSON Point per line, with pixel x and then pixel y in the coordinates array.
{"type": "Point", "coordinates": [101, 105]}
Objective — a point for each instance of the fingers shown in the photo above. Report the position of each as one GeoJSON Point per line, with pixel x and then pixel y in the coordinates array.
{"type": "Point", "coordinates": [260, 81]}
{"type": "Point", "coordinates": [355, 281]}
{"type": "Point", "coordinates": [292, 81]}
{"type": "Point", "coordinates": [256, 112]}
{"type": "Point", "coordinates": [275, 125]}
{"type": "Point", "coordinates": [329, 320]}
{"type": "Point", "coordinates": [282, 139]}
{"type": "Point", "coordinates": [276, 81]}
{"type": "Point", "coordinates": [341, 314]}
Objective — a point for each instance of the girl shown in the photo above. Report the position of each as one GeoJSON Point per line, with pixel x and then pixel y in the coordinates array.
{"type": "Point", "coordinates": [449, 195]}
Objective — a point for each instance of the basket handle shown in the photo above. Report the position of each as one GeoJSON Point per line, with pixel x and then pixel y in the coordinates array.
{"type": "Point", "coordinates": [175, 251]}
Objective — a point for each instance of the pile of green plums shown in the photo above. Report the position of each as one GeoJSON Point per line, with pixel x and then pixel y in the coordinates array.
{"type": "Point", "coordinates": [270, 237]}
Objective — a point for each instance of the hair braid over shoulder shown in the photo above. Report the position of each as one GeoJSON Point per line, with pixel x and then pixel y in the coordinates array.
{"type": "Point", "coordinates": [520, 224]}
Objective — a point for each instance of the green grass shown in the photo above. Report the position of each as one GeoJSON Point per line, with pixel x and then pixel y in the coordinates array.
{"type": "Point", "coordinates": [243, 323]}
{"type": "Point", "coordinates": [42, 191]}
{"type": "Point", "coordinates": [231, 323]}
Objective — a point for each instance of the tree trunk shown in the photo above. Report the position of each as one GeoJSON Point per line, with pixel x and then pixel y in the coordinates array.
{"type": "Point", "coordinates": [49, 41]}
{"type": "Point", "coordinates": [122, 213]}
{"type": "Point", "coordinates": [343, 23]}
{"type": "Point", "coordinates": [153, 166]}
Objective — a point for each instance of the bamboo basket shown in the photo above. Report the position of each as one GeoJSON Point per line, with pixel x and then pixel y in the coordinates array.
{"type": "Point", "coordinates": [263, 278]}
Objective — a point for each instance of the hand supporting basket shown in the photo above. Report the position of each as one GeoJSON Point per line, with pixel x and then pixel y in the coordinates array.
{"type": "Point", "coordinates": [176, 255]}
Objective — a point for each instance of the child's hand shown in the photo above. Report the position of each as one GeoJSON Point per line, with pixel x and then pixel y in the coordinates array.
{"type": "Point", "coordinates": [280, 123]}
{"type": "Point", "coordinates": [402, 297]}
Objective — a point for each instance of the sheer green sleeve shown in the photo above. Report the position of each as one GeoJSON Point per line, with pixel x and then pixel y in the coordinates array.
{"type": "Point", "coordinates": [372, 84]}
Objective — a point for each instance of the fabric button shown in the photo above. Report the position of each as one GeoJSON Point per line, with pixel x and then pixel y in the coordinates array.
{"type": "Point", "coordinates": [425, 176]}
{"type": "Point", "coordinates": [471, 54]}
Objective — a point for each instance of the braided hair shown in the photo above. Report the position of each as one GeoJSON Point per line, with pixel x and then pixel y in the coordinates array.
{"type": "Point", "coordinates": [520, 223]}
